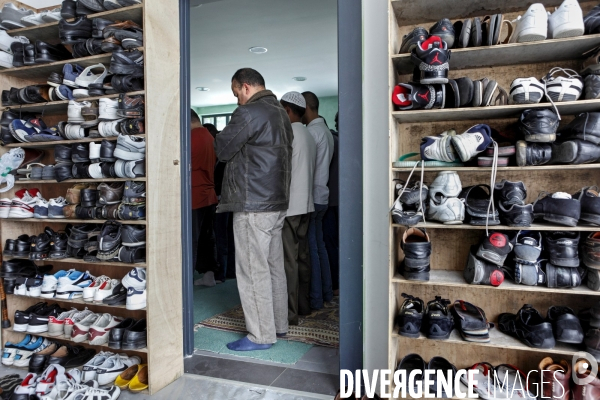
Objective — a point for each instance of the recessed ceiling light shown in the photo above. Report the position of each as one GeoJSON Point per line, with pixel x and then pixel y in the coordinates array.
{"type": "Point", "coordinates": [202, 89]}
{"type": "Point", "coordinates": [299, 78]}
{"type": "Point", "coordinates": [257, 50]}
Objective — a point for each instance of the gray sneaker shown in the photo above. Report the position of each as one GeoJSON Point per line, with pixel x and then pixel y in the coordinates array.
{"type": "Point", "coordinates": [445, 184]}
{"type": "Point", "coordinates": [11, 16]}
{"type": "Point", "coordinates": [56, 206]}
{"type": "Point", "coordinates": [134, 193]}
{"type": "Point", "coordinates": [450, 211]}
{"type": "Point", "coordinates": [130, 148]}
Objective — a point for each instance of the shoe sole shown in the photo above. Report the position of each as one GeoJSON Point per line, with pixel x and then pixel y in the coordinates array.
{"type": "Point", "coordinates": [565, 153]}
{"type": "Point", "coordinates": [521, 153]}
{"type": "Point", "coordinates": [593, 280]}
{"type": "Point", "coordinates": [560, 219]}
{"type": "Point", "coordinates": [37, 329]}
{"type": "Point", "coordinates": [541, 137]}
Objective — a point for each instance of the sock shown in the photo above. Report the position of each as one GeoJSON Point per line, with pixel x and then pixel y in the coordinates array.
{"type": "Point", "coordinates": [245, 344]}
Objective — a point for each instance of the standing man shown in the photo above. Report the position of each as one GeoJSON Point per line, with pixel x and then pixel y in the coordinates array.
{"type": "Point", "coordinates": [257, 146]}
{"type": "Point", "coordinates": [320, 284]}
{"type": "Point", "coordinates": [331, 219]}
{"type": "Point", "coordinates": [204, 200]}
{"type": "Point", "coordinates": [295, 227]}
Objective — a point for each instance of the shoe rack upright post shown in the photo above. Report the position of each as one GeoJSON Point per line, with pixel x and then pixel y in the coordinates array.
{"type": "Point", "coordinates": [451, 243]}
{"type": "Point", "coordinates": [160, 21]}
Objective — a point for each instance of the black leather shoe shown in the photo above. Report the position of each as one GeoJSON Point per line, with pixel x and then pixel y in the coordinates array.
{"type": "Point", "coordinates": [98, 25]}
{"type": "Point", "coordinates": [507, 192]}
{"type": "Point", "coordinates": [565, 324]}
{"type": "Point", "coordinates": [115, 336]}
{"type": "Point", "coordinates": [589, 199]}
{"type": "Point", "coordinates": [80, 153]}
{"type": "Point", "coordinates": [516, 214]}
{"type": "Point", "coordinates": [108, 169]}
{"type": "Point", "coordinates": [557, 207]}
{"type": "Point", "coordinates": [417, 249]}
{"type": "Point", "coordinates": [80, 234]}
{"type": "Point", "coordinates": [40, 247]}
{"type": "Point", "coordinates": [75, 31]}
{"type": "Point", "coordinates": [118, 296]}
{"type": "Point", "coordinates": [14, 94]}
{"type": "Point", "coordinates": [134, 193]}
{"type": "Point", "coordinates": [82, 10]}
{"type": "Point", "coordinates": [22, 246]}
{"type": "Point", "coordinates": [28, 54]}
{"type": "Point", "coordinates": [564, 277]}
{"type": "Point", "coordinates": [126, 83]}
{"type": "Point", "coordinates": [71, 356]}
{"type": "Point", "coordinates": [107, 149]}
{"type": "Point", "coordinates": [39, 360]}
{"type": "Point", "coordinates": [5, 98]}
{"type": "Point", "coordinates": [80, 50]}
{"type": "Point", "coordinates": [81, 171]}
{"type": "Point", "coordinates": [17, 49]}
{"type": "Point", "coordinates": [539, 125]}
{"type": "Point", "coordinates": [37, 93]}
{"type": "Point", "coordinates": [19, 268]}
{"type": "Point", "coordinates": [133, 235]}
{"type": "Point", "coordinates": [127, 62]}
{"type": "Point", "coordinates": [562, 248]}
{"type": "Point", "coordinates": [63, 172]}
{"type": "Point", "coordinates": [529, 326]}
{"type": "Point", "coordinates": [58, 248]}
{"type": "Point", "coordinates": [575, 152]}
{"type": "Point", "coordinates": [62, 153]}
{"type": "Point", "coordinates": [135, 337]}
{"type": "Point", "coordinates": [89, 197]}
{"type": "Point", "coordinates": [110, 193]}
{"type": "Point", "coordinates": [47, 53]}
{"type": "Point", "coordinates": [585, 126]}
{"type": "Point", "coordinates": [131, 106]}
{"type": "Point", "coordinates": [94, 5]}
{"type": "Point", "coordinates": [477, 199]}
{"type": "Point", "coordinates": [67, 11]}
{"type": "Point", "coordinates": [410, 316]}
{"type": "Point", "coordinates": [110, 240]}
{"type": "Point", "coordinates": [9, 247]}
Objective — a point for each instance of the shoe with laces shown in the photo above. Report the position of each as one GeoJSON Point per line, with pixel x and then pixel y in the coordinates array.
{"type": "Point", "coordinates": [130, 169]}
{"type": "Point", "coordinates": [528, 247]}
{"type": "Point", "coordinates": [10, 349]}
{"type": "Point", "coordinates": [136, 278]}
{"type": "Point", "coordinates": [56, 324]}
{"type": "Point", "coordinates": [563, 88]}
{"type": "Point", "coordinates": [134, 192]}
{"type": "Point", "coordinates": [90, 291]}
{"type": "Point", "coordinates": [38, 320]}
{"type": "Point", "coordinates": [566, 21]}
{"type": "Point", "coordinates": [55, 207]}
{"type": "Point", "coordinates": [415, 96]}
{"type": "Point", "coordinates": [22, 205]}
{"type": "Point", "coordinates": [127, 212]}
{"type": "Point", "coordinates": [438, 321]}
{"type": "Point", "coordinates": [130, 148]}
{"type": "Point", "coordinates": [526, 91]}
{"type": "Point", "coordinates": [557, 207]}
{"type": "Point", "coordinates": [40, 209]}
{"type": "Point", "coordinates": [75, 318]}
{"type": "Point", "coordinates": [448, 210]}
{"type": "Point", "coordinates": [539, 125]}
{"type": "Point", "coordinates": [431, 56]}
{"type": "Point", "coordinates": [472, 142]}
{"type": "Point", "coordinates": [113, 366]}
{"type": "Point", "coordinates": [108, 109]}
{"type": "Point", "coordinates": [109, 240]}
{"type": "Point", "coordinates": [439, 147]}
{"type": "Point", "coordinates": [445, 184]}
{"type": "Point", "coordinates": [410, 316]}
{"type": "Point", "coordinates": [105, 290]}
{"type": "Point", "coordinates": [71, 286]}
{"type": "Point", "coordinates": [98, 332]}
{"type": "Point", "coordinates": [50, 283]}
{"type": "Point", "coordinates": [562, 248]}
{"type": "Point", "coordinates": [531, 26]}
{"type": "Point", "coordinates": [110, 128]}
{"type": "Point", "coordinates": [81, 329]}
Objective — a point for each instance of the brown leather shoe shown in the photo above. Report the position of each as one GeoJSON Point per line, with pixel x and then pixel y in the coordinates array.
{"type": "Point", "coordinates": [111, 211]}
{"type": "Point", "coordinates": [111, 193]}
{"type": "Point", "coordinates": [73, 195]}
{"type": "Point", "coordinates": [591, 391]}
{"type": "Point", "coordinates": [552, 389]}
{"type": "Point", "coordinates": [70, 210]}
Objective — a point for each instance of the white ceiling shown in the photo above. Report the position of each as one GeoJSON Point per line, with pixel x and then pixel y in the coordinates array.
{"type": "Point", "coordinates": [301, 38]}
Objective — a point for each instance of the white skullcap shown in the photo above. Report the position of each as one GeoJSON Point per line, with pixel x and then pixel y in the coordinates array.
{"type": "Point", "coordinates": [294, 98]}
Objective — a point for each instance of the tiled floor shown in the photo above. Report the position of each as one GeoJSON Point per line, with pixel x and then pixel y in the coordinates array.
{"type": "Point", "coordinates": [316, 372]}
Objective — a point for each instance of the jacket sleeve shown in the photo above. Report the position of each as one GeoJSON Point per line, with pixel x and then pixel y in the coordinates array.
{"type": "Point", "coordinates": [234, 136]}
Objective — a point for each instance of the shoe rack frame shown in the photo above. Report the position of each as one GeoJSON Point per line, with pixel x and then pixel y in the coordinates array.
{"type": "Point", "coordinates": [451, 243]}
{"type": "Point", "coordinates": [160, 20]}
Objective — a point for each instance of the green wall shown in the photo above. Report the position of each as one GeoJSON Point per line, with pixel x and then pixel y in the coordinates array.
{"type": "Point", "coordinates": [328, 106]}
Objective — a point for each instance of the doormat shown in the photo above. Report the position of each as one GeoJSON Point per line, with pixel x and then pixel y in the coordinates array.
{"type": "Point", "coordinates": [320, 328]}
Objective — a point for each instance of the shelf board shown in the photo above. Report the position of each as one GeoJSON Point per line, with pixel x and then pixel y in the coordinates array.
{"type": "Point", "coordinates": [78, 261]}
{"type": "Point", "coordinates": [510, 54]}
{"type": "Point", "coordinates": [492, 112]}
{"type": "Point", "coordinates": [499, 340]}
{"type": "Point", "coordinates": [513, 168]}
{"type": "Point", "coordinates": [59, 107]}
{"type": "Point", "coordinates": [455, 279]}
{"type": "Point", "coordinates": [72, 221]}
{"type": "Point", "coordinates": [533, 227]}
{"type": "Point", "coordinates": [72, 301]}
{"type": "Point", "coordinates": [86, 343]}
{"type": "Point", "coordinates": [40, 72]}
{"type": "Point", "coordinates": [50, 30]}
{"type": "Point", "coordinates": [107, 180]}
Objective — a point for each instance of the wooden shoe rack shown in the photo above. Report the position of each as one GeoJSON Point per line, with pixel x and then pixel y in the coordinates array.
{"type": "Point", "coordinates": [450, 243]}
{"type": "Point", "coordinates": [164, 352]}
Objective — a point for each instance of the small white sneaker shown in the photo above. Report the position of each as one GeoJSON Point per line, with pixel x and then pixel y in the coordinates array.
{"type": "Point", "coordinates": [74, 131]}
{"type": "Point", "coordinates": [95, 152]}
{"type": "Point", "coordinates": [531, 26]}
{"type": "Point", "coordinates": [22, 205]}
{"type": "Point", "coordinates": [113, 366]}
{"type": "Point", "coordinates": [566, 21]}
{"type": "Point", "coordinates": [526, 91]}
{"type": "Point", "coordinates": [5, 204]}
{"type": "Point", "coordinates": [472, 142]}
{"type": "Point", "coordinates": [136, 278]}
{"type": "Point", "coordinates": [563, 88]}
{"type": "Point", "coordinates": [136, 299]}
{"type": "Point", "coordinates": [107, 109]}
{"type": "Point", "coordinates": [450, 211]}
{"type": "Point", "coordinates": [445, 184]}
{"type": "Point", "coordinates": [90, 291]}
{"type": "Point", "coordinates": [74, 111]}
{"type": "Point", "coordinates": [6, 59]}
{"type": "Point", "coordinates": [6, 40]}
{"type": "Point", "coordinates": [32, 20]}
{"type": "Point", "coordinates": [439, 147]}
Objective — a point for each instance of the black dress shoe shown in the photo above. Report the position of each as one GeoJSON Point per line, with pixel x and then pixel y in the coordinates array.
{"type": "Point", "coordinates": [539, 125]}
{"type": "Point", "coordinates": [17, 49]}
{"type": "Point", "coordinates": [22, 246]}
{"type": "Point", "coordinates": [37, 93]}
{"type": "Point", "coordinates": [14, 95]}
{"type": "Point", "coordinates": [80, 170]}
{"type": "Point", "coordinates": [62, 153]}
{"type": "Point", "coordinates": [575, 152]}
{"type": "Point", "coordinates": [98, 25]}
{"type": "Point", "coordinates": [63, 172]}
{"type": "Point", "coordinates": [558, 207]}
{"type": "Point", "coordinates": [589, 198]}
{"type": "Point", "coordinates": [118, 296]}
{"type": "Point", "coordinates": [566, 325]}
{"type": "Point", "coordinates": [39, 360]}
{"type": "Point", "coordinates": [585, 126]}
{"type": "Point", "coordinates": [58, 248]}
{"type": "Point", "coordinates": [75, 31]}
{"type": "Point", "coordinates": [19, 268]}
{"type": "Point", "coordinates": [89, 197]}
{"type": "Point", "coordinates": [71, 356]}
{"type": "Point", "coordinates": [47, 53]}
{"type": "Point", "coordinates": [80, 49]}
{"type": "Point", "coordinates": [563, 277]}
{"type": "Point", "coordinates": [115, 336]}
{"type": "Point", "coordinates": [80, 153]}
{"type": "Point", "coordinates": [67, 10]}
{"type": "Point", "coordinates": [28, 54]}
{"type": "Point", "coordinates": [529, 326]}
{"type": "Point", "coordinates": [135, 337]}
{"type": "Point", "coordinates": [562, 248]}
{"type": "Point", "coordinates": [9, 247]}
{"type": "Point", "coordinates": [40, 247]}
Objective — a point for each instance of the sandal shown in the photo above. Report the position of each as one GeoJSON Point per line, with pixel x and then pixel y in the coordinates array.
{"type": "Point", "coordinates": [472, 322]}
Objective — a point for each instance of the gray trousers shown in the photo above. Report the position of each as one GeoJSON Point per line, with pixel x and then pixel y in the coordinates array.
{"type": "Point", "coordinates": [297, 265]}
{"type": "Point", "coordinates": [260, 273]}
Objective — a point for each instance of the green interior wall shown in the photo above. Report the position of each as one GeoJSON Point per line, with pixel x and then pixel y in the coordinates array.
{"type": "Point", "coordinates": [328, 106]}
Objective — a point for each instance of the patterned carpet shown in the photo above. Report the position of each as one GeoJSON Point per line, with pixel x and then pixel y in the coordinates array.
{"type": "Point", "coordinates": [320, 328]}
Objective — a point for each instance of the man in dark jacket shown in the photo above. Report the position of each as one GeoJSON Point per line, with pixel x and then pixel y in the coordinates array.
{"type": "Point", "coordinates": [257, 146]}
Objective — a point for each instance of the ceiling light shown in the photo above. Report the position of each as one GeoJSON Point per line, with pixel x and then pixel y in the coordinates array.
{"type": "Point", "coordinates": [299, 78]}
{"type": "Point", "coordinates": [257, 50]}
{"type": "Point", "coordinates": [202, 89]}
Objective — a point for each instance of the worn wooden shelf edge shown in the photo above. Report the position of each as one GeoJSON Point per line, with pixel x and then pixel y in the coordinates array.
{"type": "Point", "coordinates": [533, 227]}
{"type": "Point", "coordinates": [73, 221]}
{"type": "Point", "coordinates": [510, 54]}
{"type": "Point", "coordinates": [73, 301]}
{"type": "Point", "coordinates": [68, 181]}
{"type": "Point", "coordinates": [78, 261]}
{"type": "Point", "coordinates": [455, 279]}
{"type": "Point", "coordinates": [531, 168]}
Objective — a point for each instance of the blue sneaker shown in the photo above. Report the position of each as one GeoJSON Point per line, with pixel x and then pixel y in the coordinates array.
{"type": "Point", "coordinates": [439, 147]}
{"type": "Point", "coordinates": [24, 355]}
{"type": "Point", "coordinates": [50, 283]}
{"type": "Point", "coordinates": [64, 93]}
{"type": "Point", "coordinates": [472, 142]}
{"type": "Point", "coordinates": [10, 349]}
{"type": "Point", "coordinates": [40, 209]}
{"type": "Point", "coordinates": [70, 74]}
{"type": "Point", "coordinates": [56, 206]}
{"type": "Point", "coordinates": [71, 286]}
{"type": "Point", "coordinates": [21, 129]}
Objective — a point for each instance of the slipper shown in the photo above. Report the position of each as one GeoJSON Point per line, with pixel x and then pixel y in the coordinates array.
{"type": "Point", "coordinates": [477, 93]}
{"type": "Point", "coordinates": [465, 34]}
{"type": "Point", "coordinates": [402, 163]}
{"type": "Point", "coordinates": [465, 89]}
{"type": "Point", "coordinates": [488, 93]}
{"type": "Point", "coordinates": [496, 27]}
{"type": "Point", "coordinates": [502, 97]}
{"type": "Point", "coordinates": [476, 34]}
{"type": "Point", "coordinates": [452, 94]}
{"type": "Point", "coordinates": [472, 322]}
{"type": "Point", "coordinates": [510, 29]}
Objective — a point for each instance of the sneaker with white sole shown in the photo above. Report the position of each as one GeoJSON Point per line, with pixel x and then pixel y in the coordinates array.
{"type": "Point", "coordinates": [107, 109]}
{"type": "Point", "coordinates": [6, 59]}
{"type": "Point", "coordinates": [566, 21]}
{"type": "Point", "coordinates": [136, 278]}
{"type": "Point", "coordinates": [526, 91]}
{"type": "Point", "coordinates": [98, 332]}
{"type": "Point", "coordinates": [472, 142]}
{"type": "Point", "coordinates": [81, 329]}
{"type": "Point", "coordinates": [136, 299]}
{"type": "Point", "coordinates": [105, 290]}
{"type": "Point", "coordinates": [56, 325]}
{"type": "Point", "coordinates": [5, 203]}
{"type": "Point", "coordinates": [130, 169]}
{"type": "Point", "coordinates": [439, 147]}
{"type": "Point", "coordinates": [563, 88]}
{"type": "Point", "coordinates": [77, 317]}
{"type": "Point", "coordinates": [23, 355]}
{"type": "Point", "coordinates": [26, 389]}
{"type": "Point", "coordinates": [113, 366]}
{"type": "Point", "coordinates": [531, 26]}
{"type": "Point", "coordinates": [72, 285]}
{"type": "Point", "coordinates": [74, 111]}
{"type": "Point", "coordinates": [40, 209]}
{"type": "Point", "coordinates": [449, 211]}
{"type": "Point", "coordinates": [6, 40]}
{"type": "Point", "coordinates": [52, 377]}
{"type": "Point", "coordinates": [90, 291]}
{"type": "Point", "coordinates": [22, 205]}
{"type": "Point", "coordinates": [10, 349]}
{"type": "Point", "coordinates": [56, 207]}
{"type": "Point", "coordinates": [95, 152]}
{"type": "Point", "coordinates": [91, 367]}
{"type": "Point", "coordinates": [109, 393]}
{"type": "Point", "coordinates": [130, 148]}
{"type": "Point", "coordinates": [445, 184]}
{"type": "Point", "coordinates": [50, 283]}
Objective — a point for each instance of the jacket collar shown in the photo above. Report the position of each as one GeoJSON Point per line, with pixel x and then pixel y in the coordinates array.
{"type": "Point", "coordinates": [259, 95]}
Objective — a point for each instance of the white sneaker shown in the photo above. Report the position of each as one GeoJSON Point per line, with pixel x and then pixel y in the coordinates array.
{"type": "Point", "coordinates": [87, 76]}
{"type": "Point", "coordinates": [130, 148]}
{"type": "Point", "coordinates": [56, 206]}
{"type": "Point", "coordinates": [526, 91]}
{"type": "Point", "coordinates": [90, 291]}
{"type": "Point", "coordinates": [136, 299]}
{"type": "Point", "coordinates": [90, 368]}
{"type": "Point", "coordinates": [95, 152]}
{"type": "Point", "coordinates": [52, 376]}
{"type": "Point", "coordinates": [40, 208]}
{"type": "Point", "coordinates": [56, 325]}
{"type": "Point", "coordinates": [74, 131]}
{"type": "Point", "coordinates": [113, 366]}
{"type": "Point", "coordinates": [71, 321]}
{"type": "Point", "coordinates": [51, 16]}
{"type": "Point", "coordinates": [472, 142]}
{"type": "Point", "coordinates": [81, 329]}
{"type": "Point", "coordinates": [110, 393]}
{"type": "Point", "coordinates": [445, 184]}
{"type": "Point", "coordinates": [6, 59]}
{"type": "Point", "coordinates": [136, 278]}
{"type": "Point", "coordinates": [98, 334]}
{"type": "Point", "coordinates": [531, 26]}
{"type": "Point", "coordinates": [32, 20]}
{"type": "Point", "coordinates": [74, 111]}
{"type": "Point", "coordinates": [22, 205]}
{"type": "Point", "coordinates": [450, 211]}
{"type": "Point", "coordinates": [109, 128]}
{"type": "Point", "coordinates": [439, 147]}
{"type": "Point", "coordinates": [6, 40]}
{"type": "Point", "coordinates": [5, 203]}
{"type": "Point", "coordinates": [50, 283]}
{"type": "Point", "coordinates": [566, 21]}
{"type": "Point", "coordinates": [72, 285]}
{"type": "Point", "coordinates": [563, 88]}
{"type": "Point", "coordinates": [107, 109]}
{"type": "Point", "coordinates": [105, 290]}
{"type": "Point", "coordinates": [26, 388]}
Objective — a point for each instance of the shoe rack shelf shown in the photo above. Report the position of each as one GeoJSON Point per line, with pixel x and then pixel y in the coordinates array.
{"type": "Point", "coordinates": [59, 107]}
{"type": "Point", "coordinates": [511, 53]}
{"type": "Point", "coordinates": [49, 31]}
{"type": "Point", "coordinates": [38, 74]}
{"type": "Point", "coordinates": [78, 261]}
{"type": "Point", "coordinates": [451, 243]}
{"type": "Point", "coordinates": [164, 353]}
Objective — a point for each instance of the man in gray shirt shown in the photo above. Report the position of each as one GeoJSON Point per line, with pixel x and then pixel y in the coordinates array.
{"type": "Point", "coordinates": [320, 285]}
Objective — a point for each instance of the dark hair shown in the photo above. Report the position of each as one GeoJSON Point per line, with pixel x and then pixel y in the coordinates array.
{"type": "Point", "coordinates": [248, 75]}
{"type": "Point", "coordinates": [212, 129]}
{"type": "Point", "coordinates": [312, 101]}
{"type": "Point", "coordinates": [296, 109]}
{"type": "Point", "coordinates": [193, 116]}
